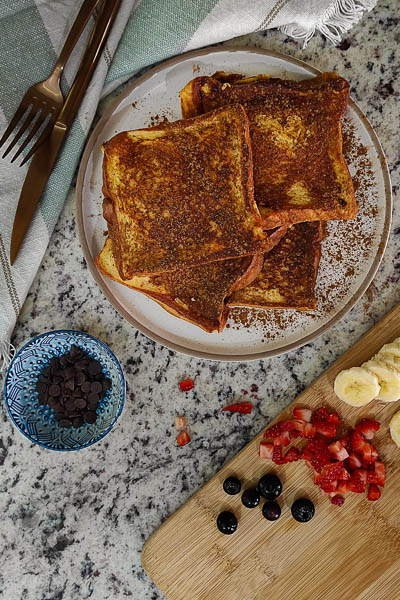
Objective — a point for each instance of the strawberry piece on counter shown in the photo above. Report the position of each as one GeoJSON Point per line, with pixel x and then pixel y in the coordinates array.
{"type": "Point", "coordinates": [244, 408]}
{"type": "Point", "coordinates": [333, 417]}
{"type": "Point", "coordinates": [186, 385]}
{"type": "Point", "coordinates": [304, 414]}
{"type": "Point", "coordinates": [343, 487]}
{"type": "Point", "coordinates": [286, 425]}
{"type": "Point", "coordinates": [345, 475]}
{"type": "Point", "coordinates": [374, 492]}
{"type": "Point", "coordinates": [180, 422]}
{"type": "Point", "coordinates": [265, 450]}
{"type": "Point", "coordinates": [292, 455]}
{"type": "Point", "coordinates": [357, 442]}
{"type": "Point", "coordinates": [329, 486]}
{"type": "Point", "coordinates": [317, 478]}
{"type": "Point", "coordinates": [368, 428]}
{"type": "Point", "coordinates": [346, 442]}
{"type": "Point", "coordinates": [337, 500]}
{"type": "Point", "coordinates": [338, 451]}
{"type": "Point", "coordinates": [285, 437]}
{"type": "Point", "coordinates": [183, 438]}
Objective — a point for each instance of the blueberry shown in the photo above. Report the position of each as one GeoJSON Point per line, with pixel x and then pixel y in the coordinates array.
{"type": "Point", "coordinates": [227, 522]}
{"type": "Point", "coordinates": [232, 486]}
{"type": "Point", "coordinates": [270, 487]}
{"type": "Point", "coordinates": [251, 498]}
{"type": "Point", "coordinates": [303, 510]}
{"type": "Point", "coordinates": [271, 511]}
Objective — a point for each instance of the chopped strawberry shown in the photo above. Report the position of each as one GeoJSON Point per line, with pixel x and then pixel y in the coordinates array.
{"type": "Point", "coordinates": [277, 441]}
{"type": "Point", "coordinates": [304, 414]}
{"type": "Point", "coordinates": [277, 455]}
{"type": "Point", "coordinates": [298, 425]}
{"type": "Point", "coordinates": [286, 425]}
{"type": "Point", "coordinates": [338, 451]}
{"type": "Point", "coordinates": [374, 454]}
{"type": "Point", "coordinates": [324, 428]}
{"type": "Point", "coordinates": [295, 434]}
{"type": "Point", "coordinates": [343, 487]}
{"type": "Point", "coordinates": [329, 486]}
{"type": "Point", "coordinates": [317, 478]}
{"type": "Point", "coordinates": [345, 475]}
{"type": "Point", "coordinates": [306, 454]}
{"type": "Point", "coordinates": [309, 431]}
{"type": "Point", "coordinates": [285, 437]}
{"type": "Point", "coordinates": [243, 408]}
{"type": "Point", "coordinates": [354, 462]}
{"type": "Point", "coordinates": [333, 417]}
{"type": "Point", "coordinates": [367, 454]}
{"type": "Point", "coordinates": [321, 414]}
{"type": "Point", "coordinates": [358, 481]}
{"type": "Point", "coordinates": [309, 465]}
{"type": "Point", "coordinates": [337, 500]}
{"type": "Point", "coordinates": [374, 492]}
{"type": "Point", "coordinates": [292, 455]}
{"type": "Point", "coordinates": [332, 471]}
{"type": "Point", "coordinates": [346, 442]}
{"type": "Point", "coordinates": [372, 477]}
{"type": "Point", "coordinates": [272, 432]}
{"type": "Point", "coordinates": [357, 442]}
{"type": "Point", "coordinates": [186, 385]}
{"type": "Point", "coordinates": [180, 422]}
{"type": "Point", "coordinates": [317, 445]}
{"type": "Point", "coordinates": [265, 450]}
{"type": "Point", "coordinates": [380, 473]}
{"type": "Point", "coordinates": [316, 451]}
{"type": "Point", "coordinates": [368, 428]}
{"type": "Point", "coordinates": [183, 438]}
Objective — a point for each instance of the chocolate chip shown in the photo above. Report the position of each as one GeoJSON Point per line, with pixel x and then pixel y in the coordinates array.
{"type": "Point", "coordinates": [80, 403]}
{"type": "Point", "coordinates": [80, 378]}
{"type": "Point", "coordinates": [46, 371]}
{"type": "Point", "coordinates": [54, 403]}
{"type": "Point", "coordinates": [59, 416]}
{"type": "Point", "coordinates": [93, 397]}
{"type": "Point", "coordinates": [90, 417]}
{"type": "Point", "coordinates": [96, 387]}
{"type": "Point", "coordinates": [94, 367]}
{"type": "Point", "coordinates": [41, 387]}
{"type": "Point", "coordinates": [78, 421]}
{"type": "Point", "coordinates": [54, 390]}
{"type": "Point", "coordinates": [70, 385]}
{"type": "Point", "coordinates": [77, 393]}
{"type": "Point", "coordinates": [81, 364]}
{"type": "Point", "coordinates": [65, 423]}
{"type": "Point", "coordinates": [86, 387]}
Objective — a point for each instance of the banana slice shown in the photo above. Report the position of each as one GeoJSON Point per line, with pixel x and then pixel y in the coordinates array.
{"type": "Point", "coordinates": [356, 386]}
{"type": "Point", "coordinates": [394, 427]}
{"type": "Point", "coordinates": [393, 348]}
{"type": "Point", "coordinates": [388, 379]}
{"type": "Point", "coordinates": [391, 360]}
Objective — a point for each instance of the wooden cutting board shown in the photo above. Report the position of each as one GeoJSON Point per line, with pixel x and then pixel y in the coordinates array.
{"type": "Point", "coordinates": [351, 553]}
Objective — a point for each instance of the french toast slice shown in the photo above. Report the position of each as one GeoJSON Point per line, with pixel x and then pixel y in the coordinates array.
{"type": "Point", "coordinates": [287, 278]}
{"type": "Point", "coordinates": [181, 194]}
{"type": "Point", "coordinates": [299, 170]}
{"type": "Point", "coordinates": [197, 294]}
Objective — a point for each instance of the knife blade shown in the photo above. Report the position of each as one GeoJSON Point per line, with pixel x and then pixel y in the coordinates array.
{"type": "Point", "coordinates": [43, 160]}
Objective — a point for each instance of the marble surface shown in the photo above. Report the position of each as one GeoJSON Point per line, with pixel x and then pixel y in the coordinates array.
{"type": "Point", "coordinates": [73, 525]}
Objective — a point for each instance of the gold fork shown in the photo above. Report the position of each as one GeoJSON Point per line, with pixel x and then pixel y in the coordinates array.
{"type": "Point", "coordinates": [43, 102]}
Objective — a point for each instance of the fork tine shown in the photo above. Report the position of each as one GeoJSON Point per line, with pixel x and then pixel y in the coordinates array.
{"type": "Point", "coordinates": [27, 121]}
{"type": "Point", "coordinates": [38, 123]}
{"type": "Point", "coordinates": [45, 133]}
{"type": "Point", "coordinates": [14, 121]}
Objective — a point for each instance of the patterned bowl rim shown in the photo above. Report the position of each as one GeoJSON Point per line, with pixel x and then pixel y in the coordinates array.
{"type": "Point", "coordinates": [72, 332]}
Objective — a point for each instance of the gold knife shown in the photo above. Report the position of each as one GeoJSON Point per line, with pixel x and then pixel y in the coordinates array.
{"type": "Point", "coordinates": [45, 157]}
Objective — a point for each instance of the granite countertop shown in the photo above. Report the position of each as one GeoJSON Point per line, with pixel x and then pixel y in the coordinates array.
{"type": "Point", "coordinates": [73, 525]}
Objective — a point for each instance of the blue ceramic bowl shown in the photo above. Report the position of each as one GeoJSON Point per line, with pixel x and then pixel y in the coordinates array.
{"type": "Point", "coordinates": [37, 422]}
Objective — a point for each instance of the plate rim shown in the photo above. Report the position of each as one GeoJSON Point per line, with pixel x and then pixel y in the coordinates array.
{"type": "Point", "coordinates": [284, 349]}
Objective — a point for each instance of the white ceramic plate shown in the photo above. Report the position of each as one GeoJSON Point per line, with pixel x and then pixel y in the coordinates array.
{"type": "Point", "coordinates": [351, 252]}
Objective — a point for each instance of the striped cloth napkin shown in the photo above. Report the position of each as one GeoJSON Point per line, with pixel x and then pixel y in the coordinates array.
{"type": "Point", "coordinates": [145, 31]}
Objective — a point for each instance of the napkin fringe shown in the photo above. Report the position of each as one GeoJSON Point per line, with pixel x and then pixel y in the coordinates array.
{"type": "Point", "coordinates": [7, 351]}
{"type": "Point", "coordinates": [339, 18]}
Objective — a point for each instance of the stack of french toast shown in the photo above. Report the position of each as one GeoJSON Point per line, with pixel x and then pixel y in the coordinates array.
{"type": "Point", "coordinates": [227, 206]}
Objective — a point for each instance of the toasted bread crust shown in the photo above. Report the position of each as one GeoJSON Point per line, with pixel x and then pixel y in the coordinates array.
{"type": "Point", "coordinates": [181, 194]}
{"type": "Point", "coordinates": [198, 294]}
{"type": "Point", "coordinates": [299, 170]}
{"type": "Point", "coordinates": [287, 279]}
